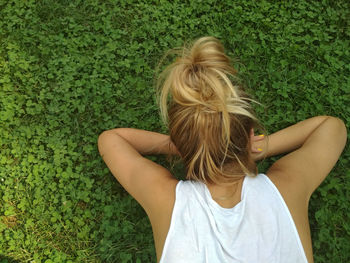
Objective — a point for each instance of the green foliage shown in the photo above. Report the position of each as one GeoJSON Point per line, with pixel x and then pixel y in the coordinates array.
{"type": "Point", "coordinates": [71, 69]}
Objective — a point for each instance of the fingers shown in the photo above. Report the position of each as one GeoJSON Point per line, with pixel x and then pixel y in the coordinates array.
{"type": "Point", "coordinates": [256, 150]}
{"type": "Point", "coordinates": [259, 137]}
{"type": "Point", "coordinates": [256, 146]}
{"type": "Point", "coordinates": [251, 133]}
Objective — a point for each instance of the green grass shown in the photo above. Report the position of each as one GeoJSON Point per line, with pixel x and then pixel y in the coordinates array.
{"type": "Point", "coordinates": [71, 69]}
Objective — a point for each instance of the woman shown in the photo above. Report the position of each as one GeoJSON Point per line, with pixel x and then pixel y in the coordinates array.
{"type": "Point", "coordinates": [225, 211]}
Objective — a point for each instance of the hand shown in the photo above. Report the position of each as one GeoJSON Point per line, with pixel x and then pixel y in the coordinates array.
{"type": "Point", "coordinates": [256, 142]}
{"type": "Point", "coordinates": [172, 148]}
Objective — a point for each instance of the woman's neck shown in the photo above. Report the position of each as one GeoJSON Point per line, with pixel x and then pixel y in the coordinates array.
{"type": "Point", "coordinates": [226, 192]}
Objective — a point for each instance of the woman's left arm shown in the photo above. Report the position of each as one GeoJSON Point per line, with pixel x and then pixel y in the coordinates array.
{"type": "Point", "coordinates": [147, 142]}
{"type": "Point", "coordinates": [148, 182]}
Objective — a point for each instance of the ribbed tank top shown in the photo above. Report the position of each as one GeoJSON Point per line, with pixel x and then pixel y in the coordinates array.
{"type": "Point", "coordinates": [258, 229]}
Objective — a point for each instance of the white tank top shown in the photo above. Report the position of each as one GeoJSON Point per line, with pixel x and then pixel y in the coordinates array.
{"type": "Point", "coordinates": [258, 229]}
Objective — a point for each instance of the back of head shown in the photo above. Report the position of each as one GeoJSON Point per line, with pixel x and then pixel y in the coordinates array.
{"type": "Point", "coordinates": [209, 118]}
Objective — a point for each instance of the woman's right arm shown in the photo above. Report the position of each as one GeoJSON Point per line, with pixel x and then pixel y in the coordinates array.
{"type": "Point", "coordinates": [288, 139]}
{"type": "Point", "coordinates": [314, 144]}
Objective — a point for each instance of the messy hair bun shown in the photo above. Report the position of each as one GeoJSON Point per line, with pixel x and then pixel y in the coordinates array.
{"type": "Point", "coordinates": [209, 118]}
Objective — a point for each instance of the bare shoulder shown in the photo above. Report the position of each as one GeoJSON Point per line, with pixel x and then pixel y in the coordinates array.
{"type": "Point", "coordinates": [297, 204]}
{"type": "Point", "coordinates": [145, 180]}
{"type": "Point", "coordinates": [160, 215]}
{"type": "Point", "coordinates": [298, 174]}
{"type": "Point", "coordinates": [304, 169]}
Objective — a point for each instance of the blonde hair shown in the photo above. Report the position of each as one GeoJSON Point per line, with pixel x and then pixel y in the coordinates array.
{"type": "Point", "coordinates": [209, 118]}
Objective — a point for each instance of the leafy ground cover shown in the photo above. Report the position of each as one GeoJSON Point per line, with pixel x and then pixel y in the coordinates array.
{"type": "Point", "coordinates": [71, 69]}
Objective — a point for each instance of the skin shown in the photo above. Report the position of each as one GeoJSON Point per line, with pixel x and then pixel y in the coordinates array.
{"type": "Point", "coordinates": [314, 146]}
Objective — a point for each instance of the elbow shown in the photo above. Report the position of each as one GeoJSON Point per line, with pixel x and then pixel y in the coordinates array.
{"type": "Point", "coordinates": [101, 137]}
{"type": "Point", "coordinates": [107, 137]}
{"type": "Point", "coordinates": [102, 140]}
{"type": "Point", "coordinates": [336, 127]}
{"type": "Point", "coordinates": [338, 123]}
{"type": "Point", "coordinates": [340, 127]}
{"type": "Point", "coordinates": [342, 130]}
{"type": "Point", "coordinates": [99, 143]}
